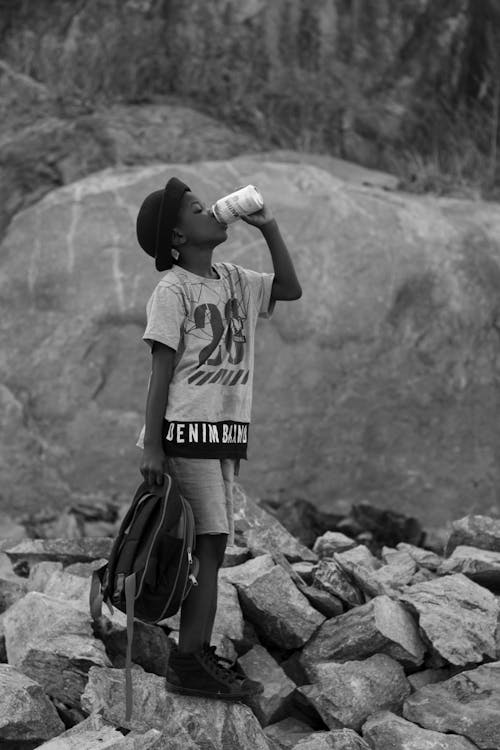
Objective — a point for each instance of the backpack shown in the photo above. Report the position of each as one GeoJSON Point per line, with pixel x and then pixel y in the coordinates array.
{"type": "Point", "coordinates": [151, 567]}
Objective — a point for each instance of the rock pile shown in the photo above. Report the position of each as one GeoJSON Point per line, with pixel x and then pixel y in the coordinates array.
{"type": "Point", "coordinates": [360, 644]}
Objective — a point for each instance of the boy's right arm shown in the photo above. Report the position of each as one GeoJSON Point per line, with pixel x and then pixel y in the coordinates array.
{"type": "Point", "coordinates": [153, 458]}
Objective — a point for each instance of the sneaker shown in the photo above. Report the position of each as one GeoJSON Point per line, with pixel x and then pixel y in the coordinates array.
{"type": "Point", "coordinates": [234, 667]}
{"type": "Point", "coordinates": [200, 673]}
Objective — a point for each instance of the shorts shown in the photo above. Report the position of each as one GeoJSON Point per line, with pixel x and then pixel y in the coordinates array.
{"type": "Point", "coordinates": [207, 485]}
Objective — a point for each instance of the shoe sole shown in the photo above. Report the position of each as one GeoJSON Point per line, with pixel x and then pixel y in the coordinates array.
{"type": "Point", "coordinates": [210, 694]}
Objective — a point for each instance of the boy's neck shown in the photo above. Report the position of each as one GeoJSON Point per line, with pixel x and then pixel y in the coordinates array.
{"type": "Point", "coordinates": [199, 263]}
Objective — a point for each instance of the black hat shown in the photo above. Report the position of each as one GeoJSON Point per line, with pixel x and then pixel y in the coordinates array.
{"type": "Point", "coordinates": [156, 220]}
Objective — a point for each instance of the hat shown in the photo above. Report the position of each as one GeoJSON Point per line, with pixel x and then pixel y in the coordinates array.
{"type": "Point", "coordinates": [156, 220]}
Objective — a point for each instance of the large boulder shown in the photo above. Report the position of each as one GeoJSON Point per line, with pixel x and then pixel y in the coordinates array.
{"type": "Point", "coordinates": [397, 334]}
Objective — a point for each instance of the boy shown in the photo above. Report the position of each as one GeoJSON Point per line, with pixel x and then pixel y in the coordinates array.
{"type": "Point", "coordinates": [201, 320]}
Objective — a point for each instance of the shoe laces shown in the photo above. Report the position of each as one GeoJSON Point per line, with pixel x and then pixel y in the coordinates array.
{"type": "Point", "coordinates": [213, 661]}
{"type": "Point", "coordinates": [221, 660]}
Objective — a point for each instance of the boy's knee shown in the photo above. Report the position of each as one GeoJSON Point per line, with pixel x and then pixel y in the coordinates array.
{"type": "Point", "coordinates": [211, 547]}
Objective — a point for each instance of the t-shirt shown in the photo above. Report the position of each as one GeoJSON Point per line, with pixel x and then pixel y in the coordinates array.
{"type": "Point", "coordinates": [211, 325]}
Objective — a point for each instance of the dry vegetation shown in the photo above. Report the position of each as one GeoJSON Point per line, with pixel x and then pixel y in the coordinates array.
{"type": "Point", "coordinates": [405, 85]}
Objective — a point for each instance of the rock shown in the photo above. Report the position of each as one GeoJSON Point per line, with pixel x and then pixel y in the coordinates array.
{"type": "Point", "coordinates": [85, 570]}
{"type": "Point", "coordinates": [346, 694]}
{"type": "Point", "coordinates": [94, 733]}
{"type": "Point", "coordinates": [371, 576]}
{"type": "Point", "coordinates": [428, 677]}
{"type": "Point", "coordinates": [380, 625]}
{"type": "Point", "coordinates": [422, 575]}
{"type": "Point", "coordinates": [466, 704]}
{"type": "Point", "coordinates": [423, 557]}
{"type": "Point", "coordinates": [286, 733]}
{"type": "Point", "coordinates": [150, 647]}
{"type": "Point", "coordinates": [361, 566]}
{"type": "Point", "coordinates": [457, 616]}
{"type": "Point", "coordinates": [386, 730]}
{"type": "Point", "coordinates": [65, 551]}
{"type": "Point", "coordinates": [332, 578]}
{"type": "Point", "coordinates": [474, 531]}
{"type": "Point", "coordinates": [229, 617]}
{"type": "Point", "coordinates": [40, 573]}
{"type": "Point", "coordinates": [327, 604]}
{"type": "Point", "coordinates": [273, 604]}
{"type": "Point", "coordinates": [11, 590]}
{"type": "Point", "coordinates": [337, 739]}
{"type": "Point", "coordinates": [190, 722]}
{"type": "Point", "coordinates": [301, 518]}
{"type": "Point", "coordinates": [235, 556]}
{"type": "Point", "coordinates": [26, 713]}
{"type": "Point", "coordinates": [332, 541]}
{"type": "Point", "coordinates": [273, 703]}
{"type": "Point", "coordinates": [261, 532]}
{"type": "Point", "coordinates": [437, 317]}
{"type": "Point", "coordinates": [387, 526]}
{"type": "Point", "coordinates": [482, 566]}
{"type": "Point", "coordinates": [52, 642]}
{"type": "Point", "coordinates": [305, 570]}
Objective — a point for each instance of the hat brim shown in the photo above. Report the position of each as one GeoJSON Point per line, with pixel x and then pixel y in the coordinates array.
{"type": "Point", "coordinates": [171, 200]}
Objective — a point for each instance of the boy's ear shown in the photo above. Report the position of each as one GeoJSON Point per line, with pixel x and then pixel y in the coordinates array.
{"type": "Point", "coordinates": [178, 237]}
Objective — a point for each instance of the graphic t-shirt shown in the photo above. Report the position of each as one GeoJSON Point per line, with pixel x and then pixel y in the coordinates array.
{"type": "Point", "coordinates": [211, 325]}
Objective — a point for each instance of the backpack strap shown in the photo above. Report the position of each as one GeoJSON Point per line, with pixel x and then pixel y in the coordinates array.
{"type": "Point", "coordinates": [129, 600]}
{"type": "Point", "coordinates": [96, 594]}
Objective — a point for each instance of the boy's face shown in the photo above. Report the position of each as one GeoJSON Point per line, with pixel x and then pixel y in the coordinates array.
{"type": "Point", "coordinates": [197, 223]}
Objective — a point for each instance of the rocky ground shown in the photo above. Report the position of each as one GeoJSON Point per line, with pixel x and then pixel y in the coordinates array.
{"type": "Point", "coordinates": [366, 630]}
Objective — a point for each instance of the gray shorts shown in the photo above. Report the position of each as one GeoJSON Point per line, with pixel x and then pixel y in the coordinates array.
{"type": "Point", "coordinates": [207, 485]}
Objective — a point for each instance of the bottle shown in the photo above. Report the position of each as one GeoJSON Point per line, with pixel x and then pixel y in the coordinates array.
{"type": "Point", "coordinates": [242, 202]}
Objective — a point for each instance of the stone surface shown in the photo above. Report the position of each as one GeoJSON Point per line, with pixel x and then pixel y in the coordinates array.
{"type": "Point", "coordinates": [235, 556]}
{"type": "Point", "coordinates": [51, 641]}
{"type": "Point", "coordinates": [189, 722]}
{"type": "Point", "coordinates": [346, 694]}
{"type": "Point", "coordinates": [26, 713]}
{"type": "Point", "coordinates": [94, 733]}
{"type": "Point", "coordinates": [457, 616]}
{"type": "Point", "coordinates": [332, 541]}
{"type": "Point", "coordinates": [423, 557]}
{"type": "Point", "coordinates": [326, 603]}
{"type": "Point", "coordinates": [273, 604]}
{"type": "Point", "coordinates": [386, 731]}
{"type": "Point", "coordinates": [341, 739]}
{"type": "Point", "coordinates": [272, 704]}
{"type": "Point", "coordinates": [387, 526]}
{"type": "Point", "coordinates": [331, 577]}
{"type": "Point", "coordinates": [399, 313]}
{"type": "Point", "coordinates": [428, 677]}
{"type": "Point", "coordinates": [286, 733]}
{"type": "Point", "coordinates": [474, 531]}
{"type": "Point", "coordinates": [300, 516]}
{"type": "Point", "coordinates": [65, 551]}
{"type": "Point", "coordinates": [261, 532]}
{"type": "Point", "coordinates": [466, 704]}
{"type": "Point", "coordinates": [482, 566]}
{"type": "Point", "coordinates": [379, 626]}
{"type": "Point", "coordinates": [362, 566]}
{"type": "Point", "coordinates": [11, 590]}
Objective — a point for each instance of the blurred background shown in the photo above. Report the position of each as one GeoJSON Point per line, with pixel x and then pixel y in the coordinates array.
{"type": "Point", "coordinates": [372, 128]}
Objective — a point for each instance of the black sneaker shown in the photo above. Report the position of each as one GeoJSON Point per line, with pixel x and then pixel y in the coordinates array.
{"type": "Point", "coordinates": [199, 673]}
{"type": "Point", "coordinates": [234, 667]}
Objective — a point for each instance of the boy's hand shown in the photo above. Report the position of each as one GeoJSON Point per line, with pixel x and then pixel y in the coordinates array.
{"type": "Point", "coordinates": [259, 218]}
{"type": "Point", "coordinates": [153, 466]}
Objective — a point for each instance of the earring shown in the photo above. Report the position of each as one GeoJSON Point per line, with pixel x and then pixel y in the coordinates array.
{"type": "Point", "coordinates": [175, 253]}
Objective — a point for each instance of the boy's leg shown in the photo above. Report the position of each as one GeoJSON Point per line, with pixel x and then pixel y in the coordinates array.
{"type": "Point", "coordinates": [199, 607]}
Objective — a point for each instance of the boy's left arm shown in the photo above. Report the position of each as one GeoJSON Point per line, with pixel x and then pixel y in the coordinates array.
{"type": "Point", "coordinates": [285, 285]}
